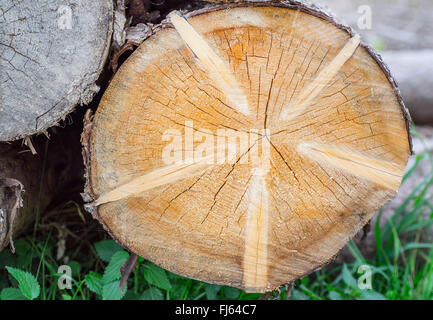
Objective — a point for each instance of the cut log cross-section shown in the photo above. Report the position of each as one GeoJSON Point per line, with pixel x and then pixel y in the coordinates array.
{"type": "Point", "coordinates": [245, 144]}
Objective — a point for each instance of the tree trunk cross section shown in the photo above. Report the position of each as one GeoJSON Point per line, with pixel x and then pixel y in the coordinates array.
{"type": "Point", "coordinates": [314, 99]}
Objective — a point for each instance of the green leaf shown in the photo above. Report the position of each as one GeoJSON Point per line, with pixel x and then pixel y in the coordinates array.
{"type": "Point", "coordinates": [334, 295]}
{"type": "Point", "coordinates": [27, 283]}
{"type": "Point", "coordinates": [251, 296]}
{"type": "Point", "coordinates": [348, 279]}
{"type": "Point", "coordinates": [211, 290]}
{"type": "Point", "coordinates": [75, 268]}
{"type": "Point", "coordinates": [66, 297]}
{"type": "Point", "coordinates": [371, 295]}
{"type": "Point", "coordinates": [12, 294]}
{"type": "Point", "coordinates": [111, 278]}
{"type": "Point", "coordinates": [24, 261]}
{"type": "Point", "coordinates": [152, 294]}
{"type": "Point", "coordinates": [106, 249]}
{"type": "Point", "coordinates": [131, 295]}
{"type": "Point", "coordinates": [298, 295]}
{"type": "Point", "coordinates": [157, 276]}
{"type": "Point", "coordinates": [111, 291]}
{"type": "Point", "coordinates": [112, 271]}
{"type": "Point", "coordinates": [231, 293]}
{"type": "Point", "coordinates": [93, 282]}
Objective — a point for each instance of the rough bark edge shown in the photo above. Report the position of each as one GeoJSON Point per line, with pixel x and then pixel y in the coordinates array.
{"type": "Point", "coordinates": [89, 196]}
{"type": "Point", "coordinates": [8, 219]}
{"type": "Point", "coordinates": [83, 91]}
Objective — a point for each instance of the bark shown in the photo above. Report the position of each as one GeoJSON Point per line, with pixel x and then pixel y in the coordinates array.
{"type": "Point", "coordinates": [338, 133]}
{"type": "Point", "coordinates": [20, 178]}
{"type": "Point", "coordinates": [30, 183]}
{"type": "Point", "coordinates": [51, 54]}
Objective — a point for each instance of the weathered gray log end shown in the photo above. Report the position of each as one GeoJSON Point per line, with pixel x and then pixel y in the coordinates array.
{"type": "Point", "coordinates": [51, 54]}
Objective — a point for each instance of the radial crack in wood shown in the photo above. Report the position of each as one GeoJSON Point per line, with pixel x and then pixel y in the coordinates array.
{"type": "Point", "coordinates": [307, 96]}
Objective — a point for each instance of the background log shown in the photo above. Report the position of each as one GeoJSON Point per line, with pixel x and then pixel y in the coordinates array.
{"type": "Point", "coordinates": [396, 24]}
{"type": "Point", "coordinates": [413, 70]}
{"type": "Point", "coordinates": [51, 54]}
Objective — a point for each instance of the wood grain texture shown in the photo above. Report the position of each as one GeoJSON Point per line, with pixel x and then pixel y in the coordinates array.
{"type": "Point", "coordinates": [51, 54]}
{"type": "Point", "coordinates": [253, 224]}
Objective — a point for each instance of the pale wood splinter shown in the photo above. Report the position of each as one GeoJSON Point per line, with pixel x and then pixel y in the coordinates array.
{"type": "Point", "coordinates": [218, 69]}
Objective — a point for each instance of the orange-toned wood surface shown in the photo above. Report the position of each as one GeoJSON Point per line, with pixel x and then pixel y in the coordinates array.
{"type": "Point", "coordinates": [328, 145]}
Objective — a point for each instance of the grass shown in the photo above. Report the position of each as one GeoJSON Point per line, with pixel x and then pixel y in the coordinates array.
{"type": "Point", "coordinates": [402, 266]}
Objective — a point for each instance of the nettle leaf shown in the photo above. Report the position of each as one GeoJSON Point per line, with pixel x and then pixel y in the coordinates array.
{"type": "Point", "coordinates": [371, 295]}
{"type": "Point", "coordinates": [111, 291]}
{"type": "Point", "coordinates": [66, 297]}
{"type": "Point", "coordinates": [298, 295]}
{"type": "Point", "coordinates": [106, 249]}
{"type": "Point", "coordinates": [131, 295]}
{"type": "Point", "coordinates": [111, 278]}
{"type": "Point", "coordinates": [334, 295]}
{"type": "Point", "coordinates": [75, 268]}
{"type": "Point", "coordinates": [93, 282]}
{"type": "Point", "coordinates": [211, 291]}
{"type": "Point", "coordinates": [12, 294]}
{"type": "Point", "coordinates": [23, 261]}
{"type": "Point", "coordinates": [152, 294]}
{"type": "Point", "coordinates": [348, 279]}
{"type": "Point", "coordinates": [27, 283]}
{"type": "Point", "coordinates": [231, 293]}
{"type": "Point", "coordinates": [112, 271]}
{"type": "Point", "coordinates": [157, 276]}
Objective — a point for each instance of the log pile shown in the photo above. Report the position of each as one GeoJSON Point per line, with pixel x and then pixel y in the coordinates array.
{"type": "Point", "coordinates": [51, 55]}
